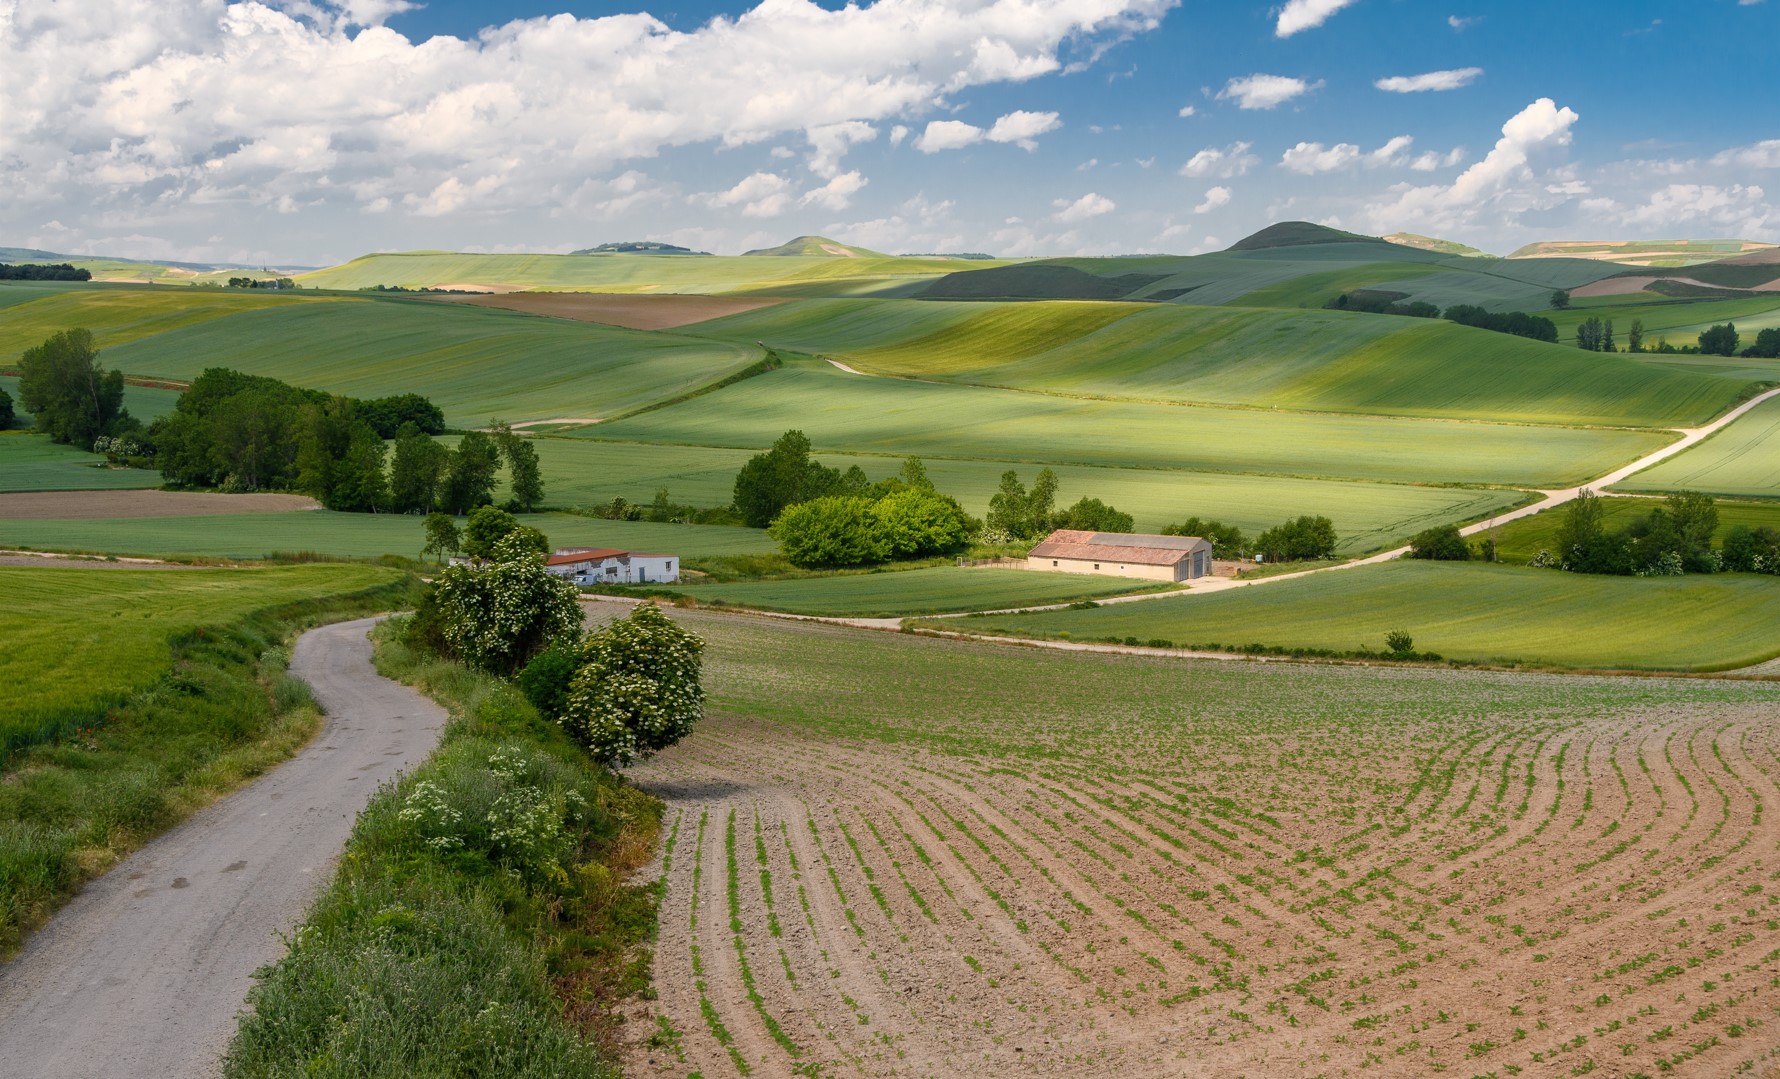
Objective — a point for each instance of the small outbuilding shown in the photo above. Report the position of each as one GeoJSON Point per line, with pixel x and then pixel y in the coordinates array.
{"type": "Point", "coordinates": [1123, 554]}
{"type": "Point", "coordinates": [609, 565]}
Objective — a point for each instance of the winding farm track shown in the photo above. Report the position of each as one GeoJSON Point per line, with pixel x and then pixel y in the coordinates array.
{"type": "Point", "coordinates": [146, 971]}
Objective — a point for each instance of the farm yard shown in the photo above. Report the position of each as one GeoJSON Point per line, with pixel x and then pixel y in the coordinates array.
{"type": "Point", "coordinates": [880, 861]}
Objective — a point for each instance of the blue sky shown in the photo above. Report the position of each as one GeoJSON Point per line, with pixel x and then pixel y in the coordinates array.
{"type": "Point", "coordinates": [309, 131]}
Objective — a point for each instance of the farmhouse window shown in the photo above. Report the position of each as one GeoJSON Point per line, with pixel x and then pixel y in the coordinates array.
{"type": "Point", "coordinates": [1096, 565]}
{"type": "Point", "coordinates": [1053, 561]}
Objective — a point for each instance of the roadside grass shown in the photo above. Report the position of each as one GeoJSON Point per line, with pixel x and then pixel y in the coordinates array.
{"type": "Point", "coordinates": [1741, 459]}
{"type": "Point", "coordinates": [31, 462]}
{"type": "Point", "coordinates": [847, 413]}
{"type": "Point", "coordinates": [1464, 611]}
{"type": "Point", "coordinates": [894, 593]}
{"type": "Point", "coordinates": [80, 642]}
{"type": "Point", "coordinates": [479, 923]}
{"type": "Point", "coordinates": [157, 717]}
{"type": "Point", "coordinates": [350, 535]}
{"type": "Point", "coordinates": [475, 363]}
{"type": "Point", "coordinates": [1315, 360]}
{"type": "Point", "coordinates": [1368, 516]}
{"type": "Point", "coordinates": [1519, 541]}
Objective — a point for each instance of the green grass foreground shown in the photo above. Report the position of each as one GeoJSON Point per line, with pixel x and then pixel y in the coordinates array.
{"type": "Point", "coordinates": [1464, 611]}
{"type": "Point", "coordinates": [475, 897]}
{"type": "Point", "coordinates": [352, 535]}
{"type": "Point", "coordinates": [895, 593]}
{"type": "Point", "coordinates": [146, 695]}
{"type": "Point", "coordinates": [81, 641]}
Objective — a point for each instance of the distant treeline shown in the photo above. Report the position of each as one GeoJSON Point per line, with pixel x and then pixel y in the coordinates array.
{"type": "Point", "coordinates": [257, 282]}
{"type": "Point", "coordinates": [1377, 302]}
{"type": "Point", "coordinates": [446, 291]}
{"type": "Point", "coordinates": [37, 271]}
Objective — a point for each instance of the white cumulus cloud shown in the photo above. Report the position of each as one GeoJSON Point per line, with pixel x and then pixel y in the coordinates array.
{"type": "Point", "coordinates": [1265, 91]}
{"type": "Point", "coordinates": [1310, 158]}
{"type": "Point", "coordinates": [1214, 198]}
{"type": "Point", "coordinates": [1232, 160]}
{"type": "Point", "coordinates": [762, 194]}
{"type": "Point", "coordinates": [1452, 79]}
{"type": "Point", "coordinates": [1299, 15]}
{"type": "Point", "coordinates": [1761, 155]}
{"type": "Point", "coordinates": [1089, 205]}
{"type": "Point", "coordinates": [1020, 128]}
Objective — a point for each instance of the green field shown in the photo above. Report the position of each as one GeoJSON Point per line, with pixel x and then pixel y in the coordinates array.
{"type": "Point", "coordinates": [915, 591]}
{"type": "Point", "coordinates": [1742, 459]}
{"type": "Point", "coordinates": [615, 273]}
{"type": "Point", "coordinates": [1368, 516]}
{"type": "Point", "coordinates": [1466, 611]}
{"type": "Point", "coordinates": [33, 463]}
{"type": "Point", "coordinates": [1519, 541]}
{"type": "Point", "coordinates": [146, 403]}
{"type": "Point", "coordinates": [475, 363]}
{"type": "Point", "coordinates": [122, 313]}
{"type": "Point", "coordinates": [842, 412]}
{"type": "Point", "coordinates": [79, 639]}
{"type": "Point", "coordinates": [351, 535]}
{"type": "Point", "coordinates": [1679, 320]}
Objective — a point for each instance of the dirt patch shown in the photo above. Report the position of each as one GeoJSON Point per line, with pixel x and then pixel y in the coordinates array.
{"type": "Point", "coordinates": [1612, 286]}
{"type": "Point", "coordinates": [93, 505]}
{"type": "Point", "coordinates": [634, 312]}
{"type": "Point", "coordinates": [57, 562]}
{"type": "Point", "coordinates": [1521, 897]}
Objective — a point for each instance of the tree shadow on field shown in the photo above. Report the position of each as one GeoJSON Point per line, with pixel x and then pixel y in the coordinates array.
{"type": "Point", "coordinates": [695, 790]}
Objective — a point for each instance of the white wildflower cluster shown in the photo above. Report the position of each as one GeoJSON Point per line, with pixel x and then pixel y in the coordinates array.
{"type": "Point", "coordinates": [637, 690]}
{"type": "Point", "coordinates": [118, 446]}
{"type": "Point", "coordinates": [431, 813]}
{"type": "Point", "coordinates": [499, 613]}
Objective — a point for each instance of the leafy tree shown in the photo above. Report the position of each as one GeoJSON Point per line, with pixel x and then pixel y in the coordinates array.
{"type": "Point", "coordinates": [1560, 300]}
{"type": "Point", "coordinates": [1766, 346]}
{"type": "Point", "coordinates": [1227, 541]}
{"type": "Point", "coordinates": [1442, 543]}
{"type": "Point", "coordinates": [359, 484]}
{"type": "Point", "coordinates": [1696, 518]}
{"type": "Point", "coordinates": [1752, 550]}
{"type": "Point", "coordinates": [250, 439]}
{"type": "Point", "coordinates": [489, 526]}
{"type": "Point", "coordinates": [1093, 515]}
{"type": "Point", "coordinates": [387, 415]}
{"type": "Point", "coordinates": [916, 522]}
{"type": "Point", "coordinates": [1585, 545]}
{"type": "Point", "coordinates": [6, 413]}
{"type": "Point", "coordinates": [782, 476]}
{"type": "Point", "coordinates": [661, 510]}
{"type": "Point", "coordinates": [325, 435]}
{"type": "Point", "coordinates": [1041, 505]}
{"type": "Point", "coordinates": [74, 399]}
{"type": "Point", "coordinates": [524, 474]}
{"type": "Point", "coordinates": [914, 472]}
{"type": "Point", "coordinates": [499, 614]}
{"type": "Point", "coordinates": [833, 531]}
{"type": "Point", "coordinates": [469, 476]}
{"type": "Point", "coordinates": [638, 688]}
{"type": "Point", "coordinates": [442, 536]}
{"type": "Point", "coordinates": [1634, 340]}
{"type": "Point", "coordinates": [1009, 507]}
{"type": "Point", "coordinates": [1399, 641]}
{"type": "Point", "coordinates": [1518, 323]}
{"type": "Point", "coordinates": [417, 470]}
{"type": "Point", "coordinates": [1607, 337]}
{"type": "Point", "coordinates": [1298, 540]}
{"type": "Point", "coordinates": [1593, 335]}
{"type": "Point", "coordinates": [1719, 340]}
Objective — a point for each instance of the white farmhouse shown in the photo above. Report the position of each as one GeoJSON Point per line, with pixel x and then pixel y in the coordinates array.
{"type": "Point", "coordinates": [609, 565]}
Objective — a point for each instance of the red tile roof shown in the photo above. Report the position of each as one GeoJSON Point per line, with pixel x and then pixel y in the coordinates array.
{"type": "Point", "coordinates": [1125, 547]}
{"type": "Point", "coordinates": [569, 557]}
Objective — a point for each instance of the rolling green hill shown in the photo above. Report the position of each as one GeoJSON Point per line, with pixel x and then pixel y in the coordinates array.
{"type": "Point", "coordinates": [844, 412]}
{"type": "Point", "coordinates": [1298, 234]}
{"type": "Point", "coordinates": [475, 363]}
{"type": "Point", "coordinates": [1314, 360]}
{"type": "Point", "coordinates": [816, 247]}
{"type": "Point", "coordinates": [118, 314]}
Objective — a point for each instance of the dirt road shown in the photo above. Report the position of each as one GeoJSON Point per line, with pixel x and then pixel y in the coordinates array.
{"type": "Point", "coordinates": [145, 972]}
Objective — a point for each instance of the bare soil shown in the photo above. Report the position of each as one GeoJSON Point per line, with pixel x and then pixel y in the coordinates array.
{"type": "Point", "coordinates": [92, 505]}
{"type": "Point", "coordinates": [635, 312]}
{"type": "Point", "coordinates": [1548, 894]}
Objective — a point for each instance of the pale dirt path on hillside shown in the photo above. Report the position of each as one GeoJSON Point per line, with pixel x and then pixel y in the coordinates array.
{"type": "Point", "coordinates": [146, 971]}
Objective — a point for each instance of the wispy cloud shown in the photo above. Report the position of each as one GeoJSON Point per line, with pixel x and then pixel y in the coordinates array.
{"type": "Point", "coordinates": [1452, 79]}
{"type": "Point", "coordinates": [1300, 15]}
{"type": "Point", "coordinates": [1265, 91]}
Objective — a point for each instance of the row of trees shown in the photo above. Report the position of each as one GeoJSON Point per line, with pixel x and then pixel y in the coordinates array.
{"type": "Point", "coordinates": [1298, 540]}
{"type": "Point", "coordinates": [39, 271]}
{"type": "Point", "coordinates": [1596, 335]}
{"type": "Point", "coordinates": [260, 282]}
{"type": "Point", "coordinates": [1016, 514]}
{"type": "Point", "coordinates": [1518, 323]}
{"type": "Point", "coordinates": [624, 692]}
{"type": "Point", "coordinates": [1670, 540]}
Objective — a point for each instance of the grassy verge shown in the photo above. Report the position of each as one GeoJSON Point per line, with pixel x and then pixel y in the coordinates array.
{"type": "Point", "coordinates": [479, 924]}
{"type": "Point", "coordinates": [75, 803]}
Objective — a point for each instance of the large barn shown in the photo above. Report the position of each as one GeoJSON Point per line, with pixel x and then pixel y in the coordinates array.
{"type": "Point", "coordinates": [1123, 554]}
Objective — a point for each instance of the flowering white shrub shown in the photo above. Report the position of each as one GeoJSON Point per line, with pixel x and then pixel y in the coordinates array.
{"type": "Point", "coordinates": [431, 814]}
{"type": "Point", "coordinates": [498, 614]}
{"type": "Point", "coordinates": [637, 690]}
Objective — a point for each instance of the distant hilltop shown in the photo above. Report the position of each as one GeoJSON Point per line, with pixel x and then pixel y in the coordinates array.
{"type": "Point", "coordinates": [638, 247]}
{"type": "Point", "coordinates": [1299, 234]}
{"type": "Point", "coordinates": [968, 256]}
{"type": "Point", "coordinates": [1436, 245]}
{"type": "Point", "coordinates": [1642, 252]}
{"type": "Point", "coordinates": [817, 247]}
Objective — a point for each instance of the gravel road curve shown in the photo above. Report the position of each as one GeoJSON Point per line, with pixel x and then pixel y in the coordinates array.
{"type": "Point", "coordinates": [146, 971]}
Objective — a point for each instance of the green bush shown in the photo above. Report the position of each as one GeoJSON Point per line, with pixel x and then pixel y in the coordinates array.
{"type": "Point", "coordinates": [497, 616]}
{"type": "Point", "coordinates": [545, 680]}
{"type": "Point", "coordinates": [1442, 543]}
{"type": "Point", "coordinates": [1299, 540]}
{"type": "Point", "coordinates": [835, 531]}
{"type": "Point", "coordinates": [638, 688]}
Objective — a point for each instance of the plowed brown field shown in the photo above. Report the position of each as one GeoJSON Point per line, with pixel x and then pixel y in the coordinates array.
{"type": "Point", "coordinates": [899, 856]}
